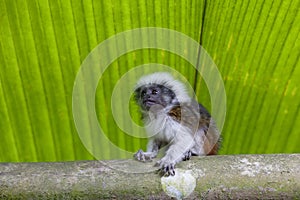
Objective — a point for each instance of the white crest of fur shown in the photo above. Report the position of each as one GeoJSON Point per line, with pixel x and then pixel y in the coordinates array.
{"type": "Point", "coordinates": [167, 80]}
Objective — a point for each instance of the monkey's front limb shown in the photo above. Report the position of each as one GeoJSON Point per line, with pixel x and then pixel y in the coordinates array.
{"type": "Point", "coordinates": [152, 151]}
{"type": "Point", "coordinates": [179, 150]}
{"type": "Point", "coordinates": [144, 156]}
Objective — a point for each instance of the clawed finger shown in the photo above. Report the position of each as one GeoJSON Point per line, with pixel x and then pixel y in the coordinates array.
{"type": "Point", "coordinates": [167, 170]}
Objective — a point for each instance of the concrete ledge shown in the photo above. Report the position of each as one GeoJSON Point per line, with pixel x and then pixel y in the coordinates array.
{"type": "Point", "coordinates": [222, 177]}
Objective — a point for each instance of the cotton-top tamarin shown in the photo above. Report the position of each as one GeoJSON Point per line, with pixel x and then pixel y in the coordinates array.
{"type": "Point", "coordinates": [173, 120]}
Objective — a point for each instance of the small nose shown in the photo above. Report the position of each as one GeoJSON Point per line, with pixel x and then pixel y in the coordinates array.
{"type": "Point", "coordinates": [147, 96]}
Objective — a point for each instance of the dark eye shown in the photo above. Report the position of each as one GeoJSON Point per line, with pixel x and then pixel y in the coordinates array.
{"type": "Point", "coordinates": [143, 93]}
{"type": "Point", "coordinates": [154, 92]}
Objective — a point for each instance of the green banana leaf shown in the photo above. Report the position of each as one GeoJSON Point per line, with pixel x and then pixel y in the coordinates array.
{"type": "Point", "coordinates": [254, 44]}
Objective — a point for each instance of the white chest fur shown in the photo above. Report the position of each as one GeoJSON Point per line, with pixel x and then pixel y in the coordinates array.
{"type": "Point", "coordinates": [162, 127]}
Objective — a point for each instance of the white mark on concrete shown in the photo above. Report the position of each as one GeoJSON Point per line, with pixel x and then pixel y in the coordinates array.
{"type": "Point", "coordinates": [179, 186]}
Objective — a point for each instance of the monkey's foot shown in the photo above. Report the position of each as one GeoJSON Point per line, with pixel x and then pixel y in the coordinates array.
{"type": "Point", "coordinates": [166, 167]}
{"type": "Point", "coordinates": [143, 156]}
{"type": "Point", "coordinates": [187, 155]}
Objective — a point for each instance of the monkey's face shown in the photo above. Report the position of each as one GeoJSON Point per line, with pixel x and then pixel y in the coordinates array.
{"type": "Point", "coordinates": [154, 94]}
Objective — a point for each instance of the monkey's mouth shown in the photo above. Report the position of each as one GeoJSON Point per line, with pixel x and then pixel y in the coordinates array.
{"type": "Point", "coordinates": [149, 102]}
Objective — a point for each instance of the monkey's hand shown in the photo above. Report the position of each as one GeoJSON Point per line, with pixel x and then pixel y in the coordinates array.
{"type": "Point", "coordinates": [166, 166]}
{"type": "Point", "coordinates": [187, 155]}
{"type": "Point", "coordinates": [144, 156]}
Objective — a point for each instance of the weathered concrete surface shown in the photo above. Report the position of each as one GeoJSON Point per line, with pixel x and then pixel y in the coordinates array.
{"type": "Point", "coordinates": [222, 177]}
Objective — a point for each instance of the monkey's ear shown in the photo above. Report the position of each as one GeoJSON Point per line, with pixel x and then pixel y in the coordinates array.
{"type": "Point", "coordinates": [137, 93]}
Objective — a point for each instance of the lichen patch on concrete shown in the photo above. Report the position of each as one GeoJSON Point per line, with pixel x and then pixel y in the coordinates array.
{"type": "Point", "coordinates": [251, 169]}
